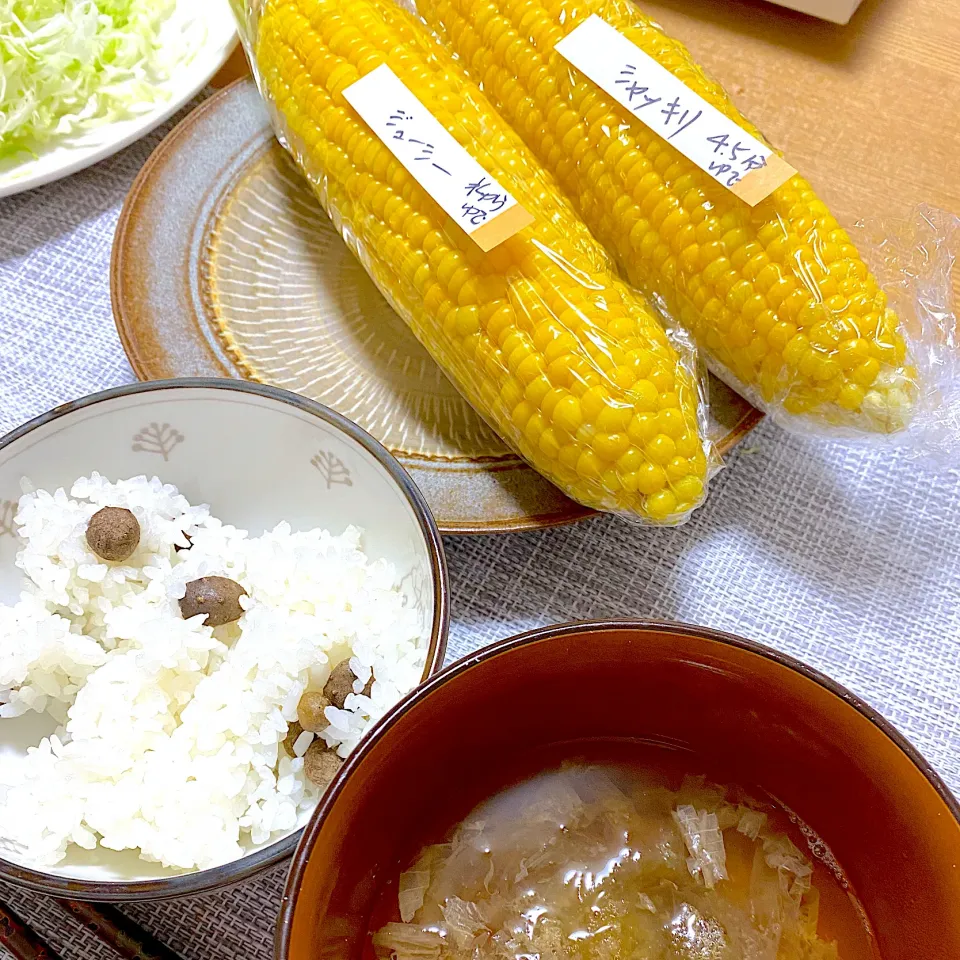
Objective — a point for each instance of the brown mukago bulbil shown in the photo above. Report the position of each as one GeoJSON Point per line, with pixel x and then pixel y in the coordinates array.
{"type": "Point", "coordinates": [217, 597]}
{"type": "Point", "coordinates": [113, 533]}
{"type": "Point", "coordinates": [320, 764]}
{"type": "Point", "coordinates": [340, 684]}
{"type": "Point", "coordinates": [293, 734]}
{"type": "Point", "coordinates": [310, 711]}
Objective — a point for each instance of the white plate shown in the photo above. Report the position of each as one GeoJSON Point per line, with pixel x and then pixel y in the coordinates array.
{"type": "Point", "coordinates": [187, 81]}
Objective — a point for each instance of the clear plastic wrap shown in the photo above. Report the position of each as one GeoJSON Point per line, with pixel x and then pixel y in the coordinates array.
{"type": "Point", "coordinates": [913, 260]}
{"type": "Point", "coordinates": [776, 296]}
{"type": "Point", "coordinates": [567, 363]}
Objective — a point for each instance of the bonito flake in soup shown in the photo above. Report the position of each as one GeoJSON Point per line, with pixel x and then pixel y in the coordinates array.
{"type": "Point", "coordinates": [621, 861]}
{"type": "Point", "coordinates": [174, 652]}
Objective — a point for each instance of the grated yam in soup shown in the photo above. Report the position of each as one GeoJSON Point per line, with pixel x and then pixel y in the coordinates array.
{"type": "Point", "coordinates": [601, 863]}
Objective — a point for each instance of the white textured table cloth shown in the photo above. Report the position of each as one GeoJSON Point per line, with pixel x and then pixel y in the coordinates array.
{"type": "Point", "coordinates": [847, 559]}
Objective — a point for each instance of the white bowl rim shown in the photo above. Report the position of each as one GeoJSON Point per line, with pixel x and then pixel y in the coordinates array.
{"type": "Point", "coordinates": [229, 874]}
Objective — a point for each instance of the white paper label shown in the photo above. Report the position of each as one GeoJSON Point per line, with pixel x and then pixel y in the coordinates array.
{"type": "Point", "coordinates": [473, 198]}
{"type": "Point", "coordinates": [671, 109]}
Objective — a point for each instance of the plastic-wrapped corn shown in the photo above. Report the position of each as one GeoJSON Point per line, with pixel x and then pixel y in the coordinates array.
{"type": "Point", "coordinates": [567, 363]}
{"type": "Point", "coordinates": [776, 295]}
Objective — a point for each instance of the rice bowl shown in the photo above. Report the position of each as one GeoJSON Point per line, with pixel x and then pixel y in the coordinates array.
{"type": "Point", "coordinates": [170, 736]}
{"type": "Point", "coordinates": [172, 730]}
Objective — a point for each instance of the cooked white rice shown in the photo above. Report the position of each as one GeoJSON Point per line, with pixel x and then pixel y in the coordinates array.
{"type": "Point", "coordinates": [170, 732]}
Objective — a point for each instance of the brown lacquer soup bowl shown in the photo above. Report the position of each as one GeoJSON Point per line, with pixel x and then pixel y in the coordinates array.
{"type": "Point", "coordinates": [868, 802]}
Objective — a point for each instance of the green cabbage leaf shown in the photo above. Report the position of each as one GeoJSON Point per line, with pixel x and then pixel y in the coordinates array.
{"type": "Point", "coordinates": [69, 66]}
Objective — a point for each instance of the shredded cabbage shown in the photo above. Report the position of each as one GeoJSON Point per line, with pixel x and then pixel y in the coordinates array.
{"type": "Point", "coordinates": [68, 66]}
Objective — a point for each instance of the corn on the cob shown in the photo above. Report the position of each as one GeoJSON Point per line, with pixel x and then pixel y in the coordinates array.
{"type": "Point", "coordinates": [564, 360]}
{"type": "Point", "coordinates": [776, 296]}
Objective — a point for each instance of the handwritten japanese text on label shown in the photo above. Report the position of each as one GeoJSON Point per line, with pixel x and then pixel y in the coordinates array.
{"type": "Point", "coordinates": [467, 192]}
{"type": "Point", "coordinates": [670, 108]}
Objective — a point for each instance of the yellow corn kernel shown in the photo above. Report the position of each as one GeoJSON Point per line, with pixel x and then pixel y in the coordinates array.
{"type": "Point", "coordinates": [743, 280]}
{"type": "Point", "coordinates": [560, 356]}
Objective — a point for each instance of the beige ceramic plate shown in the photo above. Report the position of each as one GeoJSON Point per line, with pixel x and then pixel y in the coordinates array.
{"type": "Point", "coordinates": [225, 265]}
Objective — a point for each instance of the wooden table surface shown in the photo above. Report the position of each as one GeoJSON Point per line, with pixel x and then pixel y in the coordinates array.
{"type": "Point", "coordinates": [868, 112]}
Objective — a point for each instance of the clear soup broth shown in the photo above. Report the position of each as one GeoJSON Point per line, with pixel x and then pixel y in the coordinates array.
{"type": "Point", "coordinates": [622, 852]}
